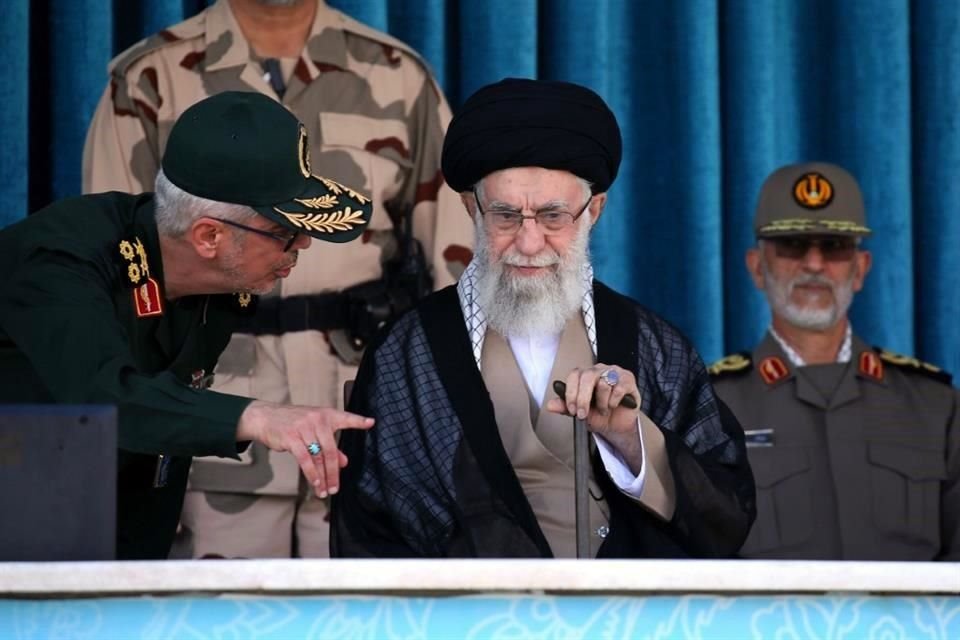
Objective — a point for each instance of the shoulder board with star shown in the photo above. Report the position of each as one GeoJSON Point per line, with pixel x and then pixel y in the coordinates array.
{"type": "Point", "coordinates": [131, 257]}
{"type": "Point", "coordinates": [910, 363]}
{"type": "Point", "coordinates": [728, 365]}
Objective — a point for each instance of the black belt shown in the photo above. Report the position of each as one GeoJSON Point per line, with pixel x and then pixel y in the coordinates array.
{"type": "Point", "coordinates": [276, 316]}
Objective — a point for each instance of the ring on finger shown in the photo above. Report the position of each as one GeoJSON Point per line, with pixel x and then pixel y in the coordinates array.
{"type": "Point", "coordinates": [611, 377]}
{"type": "Point", "coordinates": [314, 448]}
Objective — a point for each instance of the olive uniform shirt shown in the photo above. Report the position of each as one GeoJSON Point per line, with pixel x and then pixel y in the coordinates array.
{"type": "Point", "coordinates": [854, 461]}
{"type": "Point", "coordinates": [84, 320]}
{"type": "Point", "coordinates": [375, 119]}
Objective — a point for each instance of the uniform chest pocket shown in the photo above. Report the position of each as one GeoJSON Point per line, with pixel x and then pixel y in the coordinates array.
{"type": "Point", "coordinates": [367, 152]}
{"type": "Point", "coordinates": [784, 502]}
{"type": "Point", "coordinates": [905, 483]}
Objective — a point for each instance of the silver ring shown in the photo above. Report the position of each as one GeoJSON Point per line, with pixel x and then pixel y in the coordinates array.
{"type": "Point", "coordinates": [611, 377]}
{"type": "Point", "coordinates": [314, 448]}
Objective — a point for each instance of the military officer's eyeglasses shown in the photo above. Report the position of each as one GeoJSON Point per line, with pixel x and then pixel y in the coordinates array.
{"type": "Point", "coordinates": [287, 238]}
{"type": "Point", "coordinates": [508, 221]}
{"type": "Point", "coordinates": [832, 248]}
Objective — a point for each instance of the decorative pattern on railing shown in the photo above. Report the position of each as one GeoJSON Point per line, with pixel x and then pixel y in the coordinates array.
{"type": "Point", "coordinates": [475, 617]}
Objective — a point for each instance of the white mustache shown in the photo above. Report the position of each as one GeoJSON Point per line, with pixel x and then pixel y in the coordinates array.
{"type": "Point", "coordinates": [801, 281]}
{"type": "Point", "coordinates": [541, 260]}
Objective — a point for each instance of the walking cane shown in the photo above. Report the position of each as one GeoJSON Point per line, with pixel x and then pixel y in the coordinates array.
{"type": "Point", "coordinates": [581, 471]}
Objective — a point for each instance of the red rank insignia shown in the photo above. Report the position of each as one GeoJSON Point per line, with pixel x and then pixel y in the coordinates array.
{"type": "Point", "coordinates": [772, 369]}
{"type": "Point", "coordinates": [147, 299]}
{"type": "Point", "coordinates": [871, 366]}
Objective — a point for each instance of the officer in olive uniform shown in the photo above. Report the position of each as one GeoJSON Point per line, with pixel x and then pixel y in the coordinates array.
{"type": "Point", "coordinates": [375, 118]}
{"type": "Point", "coordinates": [855, 450]}
{"type": "Point", "coordinates": [126, 299]}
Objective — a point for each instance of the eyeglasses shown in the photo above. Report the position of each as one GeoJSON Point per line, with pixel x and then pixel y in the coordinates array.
{"type": "Point", "coordinates": [832, 248]}
{"type": "Point", "coordinates": [287, 238]}
{"type": "Point", "coordinates": [507, 222]}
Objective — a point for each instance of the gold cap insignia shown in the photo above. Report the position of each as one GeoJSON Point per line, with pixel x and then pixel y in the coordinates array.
{"type": "Point", "coordinates": [244, 299]}
{"type": "Point", "coordinates": [813, 191]}
{"type": "Point", "coordinates": [343, 220]}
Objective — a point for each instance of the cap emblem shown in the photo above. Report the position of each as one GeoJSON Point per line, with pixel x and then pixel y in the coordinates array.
{"type": "Point", "coordinates": [813, 191]}
{"type": "Point", "coordinates": [303, 150]}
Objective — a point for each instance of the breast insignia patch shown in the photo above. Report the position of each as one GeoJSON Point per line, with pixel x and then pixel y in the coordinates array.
{"type": "Point", "coordinates": [733, 363]}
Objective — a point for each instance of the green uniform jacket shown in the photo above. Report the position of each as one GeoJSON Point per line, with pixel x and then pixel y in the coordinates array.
{"type": "Point", "coordinates": [856, 461]}
{"type": "Point", "coordinates": [67, 305]}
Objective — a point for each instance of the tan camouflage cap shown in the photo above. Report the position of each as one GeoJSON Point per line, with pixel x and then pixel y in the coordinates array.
{"type": "Point", "coordinates": [813, 198]}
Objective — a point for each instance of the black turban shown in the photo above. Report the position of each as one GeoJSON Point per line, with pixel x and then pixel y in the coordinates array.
{"type": "Point", "coordinates": [532, 123]}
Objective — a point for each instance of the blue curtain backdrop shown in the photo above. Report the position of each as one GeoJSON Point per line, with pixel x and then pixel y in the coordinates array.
{"type": "Point", "coordinates": [712, 95]}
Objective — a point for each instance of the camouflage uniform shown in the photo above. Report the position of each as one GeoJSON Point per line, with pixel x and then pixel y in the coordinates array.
{"type": "Point", "coordinates": [375, 118]}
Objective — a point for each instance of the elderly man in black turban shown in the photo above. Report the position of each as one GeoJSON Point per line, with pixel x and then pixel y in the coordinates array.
{"type": "Point", "coordinates": [473, 452]}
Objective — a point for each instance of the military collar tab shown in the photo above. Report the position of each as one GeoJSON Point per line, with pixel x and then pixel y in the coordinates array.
{"type": "Point", "coordinates": [135, 274]}
{"type": "Point", "coordinates": [870, 366]}
{"type": "Point", "coordinates": [773, 370]}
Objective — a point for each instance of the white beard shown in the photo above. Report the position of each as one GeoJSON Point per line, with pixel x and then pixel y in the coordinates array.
{"type": "Point", "coordinates": [523, 306]}
{"type": "Point", "coordinates": [811, 318]}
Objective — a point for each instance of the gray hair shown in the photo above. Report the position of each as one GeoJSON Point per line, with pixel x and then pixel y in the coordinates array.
{"type": "Point", "coordinates": [176, 209]}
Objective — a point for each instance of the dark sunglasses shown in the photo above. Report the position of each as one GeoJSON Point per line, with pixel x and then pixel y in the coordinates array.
{"type": "Point", "coordinates": [832, 248]}
{"type": "Point", "coordinates": [287, 238]}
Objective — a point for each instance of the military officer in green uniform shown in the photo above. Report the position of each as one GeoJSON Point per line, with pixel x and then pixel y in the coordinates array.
{"type": "Point", "coordinates": [129, 300]}
{"type": "Point", "coordinates": [855, 450]}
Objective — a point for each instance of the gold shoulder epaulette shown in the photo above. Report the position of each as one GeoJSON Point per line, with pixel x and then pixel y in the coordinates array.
{"type": "Point", "coordinates": [734, 363]}
{"type": "Point", "coordinates": [910, 363]}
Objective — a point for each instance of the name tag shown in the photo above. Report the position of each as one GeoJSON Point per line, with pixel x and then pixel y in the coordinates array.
{"type": "Point", "coordinates": [759, 437]}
